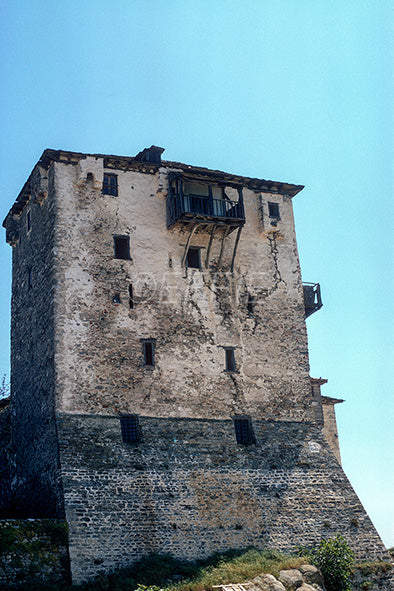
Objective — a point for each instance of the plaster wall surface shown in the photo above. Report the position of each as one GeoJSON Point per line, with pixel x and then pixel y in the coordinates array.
{"type": "Point", "coordinates": [192, 314]}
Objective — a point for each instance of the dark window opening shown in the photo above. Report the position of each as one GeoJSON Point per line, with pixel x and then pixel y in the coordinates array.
{"type": "Point", "coordinates": [131, 297]}
{"type": "Point", "coordinates": [122, 247]}
{"type": "Point", "coordinates": [28, 220]}
{"type": "Point", "coordinates": [244, 430]}
{"type": "Point", "coordinates": [89, 177]}
{"type": "Point", "coordinates": [29, 279]}
{"type": "Point", "coordinates": [230, 359]}
{"type": "Point", "coordinates": [116, 299]}
{"type": "Point", "coordinates": [250, 304]}
{"type": "Point", "coordinates": [193, 258]}
{"type": "Point", "coordinates": [273, 210]}
{"type": "Point", "coordinates": [130, 427]}
{"type": "Point", "coordinates": [110, 184]}
{"type": "Point", "coordinates": [149, 353]}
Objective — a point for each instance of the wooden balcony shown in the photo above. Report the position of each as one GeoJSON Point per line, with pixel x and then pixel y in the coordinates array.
{"type": "Point", "coordinates": [312, 298]}
{"type": "Point", "coordinates": [186, 208]}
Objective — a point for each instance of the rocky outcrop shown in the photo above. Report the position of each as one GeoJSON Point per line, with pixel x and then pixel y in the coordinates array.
{"type": "Point", "coordinates": [306, 578]}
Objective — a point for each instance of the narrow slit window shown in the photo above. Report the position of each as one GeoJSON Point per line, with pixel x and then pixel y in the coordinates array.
{"type": "Point", "coordinates": [122, 247]}
{"type": "Point", "coordinates": [193, 260]}
{"type": "Point", "coordinates": [131, 297]}
{"type": "Point", "coordinates": [250, 304]}
{"type": "Point", "coordinates": [149, 353]}
{"type": "Point", "coordinates": [29, 278]}
{"type": "Point", "coordinates": [230, 359]}
{"type": "Point", "coordinates": [130, 428]}
{"type": "Point", "coordinates": [273, 210]}
{"type": "Point", "coordinates": [110, 184]}
{"type": "Point", "coordinates": [28, 220]}
{"type": "Point", "coordinates": [244, 430]}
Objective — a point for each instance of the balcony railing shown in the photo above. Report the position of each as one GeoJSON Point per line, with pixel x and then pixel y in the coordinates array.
{"type": "Point", "coordinates": [312, 298]}
{"type": "Point", "coordinates": [197, 207]}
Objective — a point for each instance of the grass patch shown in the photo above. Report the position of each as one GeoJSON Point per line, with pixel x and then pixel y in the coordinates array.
{"type": "Point", "coordinates": [231, 567]}
{"type": "Point", "coordinates": [373, 568]}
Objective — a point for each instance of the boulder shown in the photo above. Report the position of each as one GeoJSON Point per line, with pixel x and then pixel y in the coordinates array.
{"type": "Point", "coordinates": [292, 578]}
{"type": "Point", "coordinates": [311, 574]}
{"type": "Point", "coordinates": [268, 583]}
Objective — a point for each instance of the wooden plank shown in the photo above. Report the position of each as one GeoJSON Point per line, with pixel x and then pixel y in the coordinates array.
{"type": "Point", "coordinates": [194, 228]}
{"type": "Point", "coordinates": [235, 247]}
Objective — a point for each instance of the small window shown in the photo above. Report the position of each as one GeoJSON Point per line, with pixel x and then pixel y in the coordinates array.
{"type": "Point", "coordinates": [29, 279]}
{"type": "Point", "coordinates": [149, 352]}
{"type": "Point", "coordinates": [230, 359]}
{"type": "Point", "coordinates": [244, 430]}
{"type": "Point", "coordinates": [273, 210]}
{"type": "Point", "coordinates": [28, 220]}
{"type": "Point", "coordinates": [131, 297]}
{"type": "Point", "coordinates": [251, 303]}
{"type": "Point", "coordinates": [110, 184]}
{"type": "Point", "coordinates": [130, 428]}
{"type": "Point", "coordinates": [193, 260]}
{"type": "Point", "coordinates": [122, 247]}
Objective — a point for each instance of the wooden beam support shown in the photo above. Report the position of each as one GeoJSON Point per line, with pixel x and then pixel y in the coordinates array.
{"type": "Point", "coordinates": [209, 245]}
{"type": "Point", "coordinates": [225, 234]}
{"type": "Point", "coordinates": [194, 228]}
{"type": "Point", "coordinates": [235, 247]}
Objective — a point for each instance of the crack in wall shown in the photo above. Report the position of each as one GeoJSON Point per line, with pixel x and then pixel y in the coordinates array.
{"type": "Point", "coordinates": [274, 253]}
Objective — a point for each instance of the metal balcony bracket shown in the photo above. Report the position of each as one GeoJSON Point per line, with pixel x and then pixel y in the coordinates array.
{"type": "Point", "coordinates": [209, 245]}
{"type": "Point", "coordinates": [235, 247]}
{"type": "Point", "coordinates": [225, 234]}
{"type": "Point", "coordinates": [194, 228]}
{"type": "Point", "coordinates": [312, 298]}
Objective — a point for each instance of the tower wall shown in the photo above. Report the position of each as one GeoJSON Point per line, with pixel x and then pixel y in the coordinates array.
{"type": "Point", "coordinates": [36, 488]}
{"type": "Point", "coordinates": [187, 489]}
{"type": "Point", "coordinates": [191, 314]}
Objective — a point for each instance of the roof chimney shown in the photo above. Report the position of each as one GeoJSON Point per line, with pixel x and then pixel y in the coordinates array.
{"type": "Point", "coordinates": [152, 155]}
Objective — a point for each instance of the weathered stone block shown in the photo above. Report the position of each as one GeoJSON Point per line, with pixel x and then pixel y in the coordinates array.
{"type": "Point", "coordinates": [291, 578]}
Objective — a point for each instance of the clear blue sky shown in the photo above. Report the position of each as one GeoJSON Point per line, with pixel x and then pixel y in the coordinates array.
{"type": "Point", "coordinates": [290, 90]}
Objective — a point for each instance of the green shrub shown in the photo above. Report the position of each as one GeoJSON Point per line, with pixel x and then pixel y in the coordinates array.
{"type": "Point", "coordinates": [335, 560]}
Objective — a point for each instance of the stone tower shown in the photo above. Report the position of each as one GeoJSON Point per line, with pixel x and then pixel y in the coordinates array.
{"type": "Point", "coordinates": [161, 397]}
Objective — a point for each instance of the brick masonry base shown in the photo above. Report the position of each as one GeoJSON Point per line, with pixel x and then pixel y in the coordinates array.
{"type": "Point", "coordinates": [187, 489]}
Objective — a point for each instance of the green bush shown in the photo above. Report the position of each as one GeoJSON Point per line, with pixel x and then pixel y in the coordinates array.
{"type": "Point", "coordinates": [335, 560]}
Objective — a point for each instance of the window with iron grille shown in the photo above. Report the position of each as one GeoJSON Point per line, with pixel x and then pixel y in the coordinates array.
{"type": "Point", "coordinates": [273, 210]}
{"type": "Point", "coordinates": [130, 428]}
{"type": "Point", "coordinates": [244, 430]}
{"type": "Point", "coordinates": [110, 184]}
{"type": "Point", "coordinates": [122, 247]}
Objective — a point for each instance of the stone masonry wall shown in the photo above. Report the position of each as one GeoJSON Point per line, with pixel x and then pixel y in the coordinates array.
{"type": "Point", "coordinates": [189, 490]}
{"type": "Point", "coordinates": [36, 487]}
{"type": "Point", "coordinates": [330, 429]}
{"type": "Point", "coordinates": [191, 313]}
{"type": "Point", "coordinates": [5, 456]}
